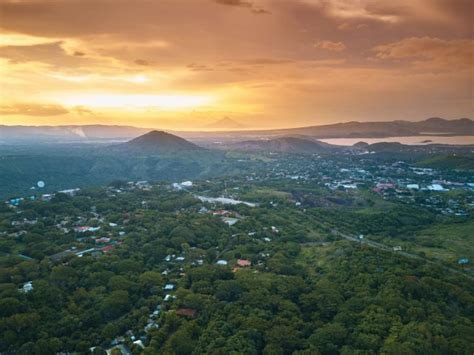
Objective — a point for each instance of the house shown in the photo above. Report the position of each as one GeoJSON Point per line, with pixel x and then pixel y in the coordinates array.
{"type": "Point", "coordinates": [230, 221]}
{"type": "Point", "coordinates": [124, 350]}
{"type": "Point", "coordinates": [168, 287]}
{"type": "Point", "coordinates": [223, 213]}
{"type": "Point", "coordinates": [186, 312]}
{"type": "Point", "coordinates": [107, 248]}
{"type": "Point", "coordinates": [27, 287]}
{"type": "Point", "coordinates": [244, 263]}
{"type": "Point", "coordinates": [61, 255]}
{"type": "Point", "coordinates": [182, 185]}
{"type": "Point", "coordinates": [139, 343]}
{"type": "Point", "coordinates": [83, 229]}
{"type": "Point", "coordinates": [70, 192]}
{"type": "Point", "coordinates": [380, 187]}
{"type": "Point", "coordinates": [436, 187]}
{"type": "Point", "coordinates": [81, 253]}
{"type": "Point", "coordinates": [168, 298]}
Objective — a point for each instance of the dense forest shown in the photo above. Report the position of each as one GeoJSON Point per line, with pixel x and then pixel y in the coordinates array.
{"type": "Point", "coordinates": [151, 269]}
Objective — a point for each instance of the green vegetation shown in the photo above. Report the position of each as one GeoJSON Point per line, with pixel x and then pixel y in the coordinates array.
{"type": "Point", "coordinates": [451, 161]}
{"type": "Point", "coordinates": [305, 292]}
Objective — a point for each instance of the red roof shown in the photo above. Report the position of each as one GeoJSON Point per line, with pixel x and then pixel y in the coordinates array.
{"type": "Point", "coordinates": [186, 312]}
{"type": "Point", "coordinates": [107, 248]}
{"type": "Point", "coordinates": [244, 263]}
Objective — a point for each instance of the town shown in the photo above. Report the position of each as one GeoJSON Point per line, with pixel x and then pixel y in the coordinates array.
{"type": "Point", "coordinates": [234, 225]}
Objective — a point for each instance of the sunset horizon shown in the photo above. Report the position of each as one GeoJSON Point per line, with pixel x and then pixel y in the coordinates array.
{"type": "Point", "coordinates": [267, 64]}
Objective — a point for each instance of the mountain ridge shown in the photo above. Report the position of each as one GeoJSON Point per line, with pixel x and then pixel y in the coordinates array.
{"type": "Point", "coordinates": [286, 145]}
{"type": "Point", "coordinates": [352, 129]}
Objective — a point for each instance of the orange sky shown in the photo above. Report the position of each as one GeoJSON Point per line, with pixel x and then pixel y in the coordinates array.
{"type": "Point", "coordinates": [181, 64]}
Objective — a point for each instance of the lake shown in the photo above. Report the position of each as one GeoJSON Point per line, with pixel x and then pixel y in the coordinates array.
{"type": "Point", "coordinates": [416, 140]}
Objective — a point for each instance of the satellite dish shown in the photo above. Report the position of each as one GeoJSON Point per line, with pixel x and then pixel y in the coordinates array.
{"type": "Point", "coordinates": [40, 184]}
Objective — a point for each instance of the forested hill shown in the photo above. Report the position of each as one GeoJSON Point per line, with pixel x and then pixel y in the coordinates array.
{"type": "Point", "coordinates": [155, 143]}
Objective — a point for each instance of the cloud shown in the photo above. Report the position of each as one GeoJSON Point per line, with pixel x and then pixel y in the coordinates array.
{"type": "Point", "coordinates": [440, 12]}
{"type": "Point", "coordinates": [142, 62]}
{"type": "Point", "coordinates": [349, 9]}
{"type": "Point", "coordinates": [243, 3]}
{"type": "Point", "coordinates": [32, 109]}
{"type": "Point", "coordinates": [330, 46]}
{"type": "Point", "coordinates": [82, 110]}
{"type": "Point", "coordinates": [352, 26]}
{"type": "Point", "coordinates": [198, 67]}
{"type": "Point", "coordinates": [427, 52]}
{"type": "Point", "coordinates": [52, 54]}
{"type": "Point", "coordinates": [267, 61]}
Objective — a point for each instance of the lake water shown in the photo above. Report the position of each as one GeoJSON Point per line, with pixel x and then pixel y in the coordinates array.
{"type": "Point", "coordinates": [418, 140]}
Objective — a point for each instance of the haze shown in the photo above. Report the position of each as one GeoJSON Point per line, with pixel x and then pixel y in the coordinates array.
{"type": "Point", "coordinates": [182, 64]}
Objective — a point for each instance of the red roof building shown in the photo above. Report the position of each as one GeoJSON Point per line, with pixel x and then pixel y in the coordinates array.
{"type": "Point", "coordinates": [107, 248]}
{"type": "Point", "coordinates": [244, 263]}
{"type": "Point", "coordinates": [186, 312]}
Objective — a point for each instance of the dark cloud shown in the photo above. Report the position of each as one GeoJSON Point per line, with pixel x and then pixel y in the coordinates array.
{"type": "Point", "coordinates": [330, 46]}
{"type": "Point", "coordinates": [142, 62]}
{"type": "Point", "coordinates": [267, 61]}
{"type": "Point", "coordinates": [49, 53]}
{"type": "Point", "coordinates": [244, 3]}
{"type": "Point", "coordinates": [31, 109]}
{"type": "Point", "coordinates": [199, 67]}
{"type": "Point", "coordinates": [428, 53]}
{"type": "Point", "coordinates": [241, 3]}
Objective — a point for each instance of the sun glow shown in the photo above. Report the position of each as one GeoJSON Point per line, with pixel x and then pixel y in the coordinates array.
{"type": "Point", "coordinates": [139, 101]}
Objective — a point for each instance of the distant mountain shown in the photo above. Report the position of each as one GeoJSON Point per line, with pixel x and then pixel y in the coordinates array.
{"type": "Point", "coordinates": [71, 133]}
{"type": "Point", "coordinates": [463, 126]}
{"type": "Point", "coordinates": [431, 126]}
{"type": "Point", "coordinates": [158, 142]}
{"type": "Point", "coordinates": [285, 145]}
{"type": "Point", "coordinates": [225, 123]}
{"type": "Point", "coordinates": [229, 130]}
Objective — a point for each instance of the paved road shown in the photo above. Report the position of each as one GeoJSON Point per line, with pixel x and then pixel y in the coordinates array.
{"type": "Point", "coordinates": [384, 247]}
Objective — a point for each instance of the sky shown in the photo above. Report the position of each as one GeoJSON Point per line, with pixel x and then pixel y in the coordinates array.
{"type": "Point", "coordinates": [182, 64]}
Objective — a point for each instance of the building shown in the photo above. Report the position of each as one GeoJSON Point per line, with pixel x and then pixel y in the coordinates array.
{"type": "Point", "coordinates": [244, 263]}
{"type": "Point", "coordinates": [27, 287]}
{"type": "Point", "coordinates": [186, 312]}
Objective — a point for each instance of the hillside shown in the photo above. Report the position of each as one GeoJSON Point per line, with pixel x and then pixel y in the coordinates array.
{"type": "Point", "coordinates": [463, 126]}
{"type": "Point", "coordinates": [158, 142]}
{"type": "Point", "coordinates": [285, 145]}
{"type": "Point", "coordinates": [451, 161]}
